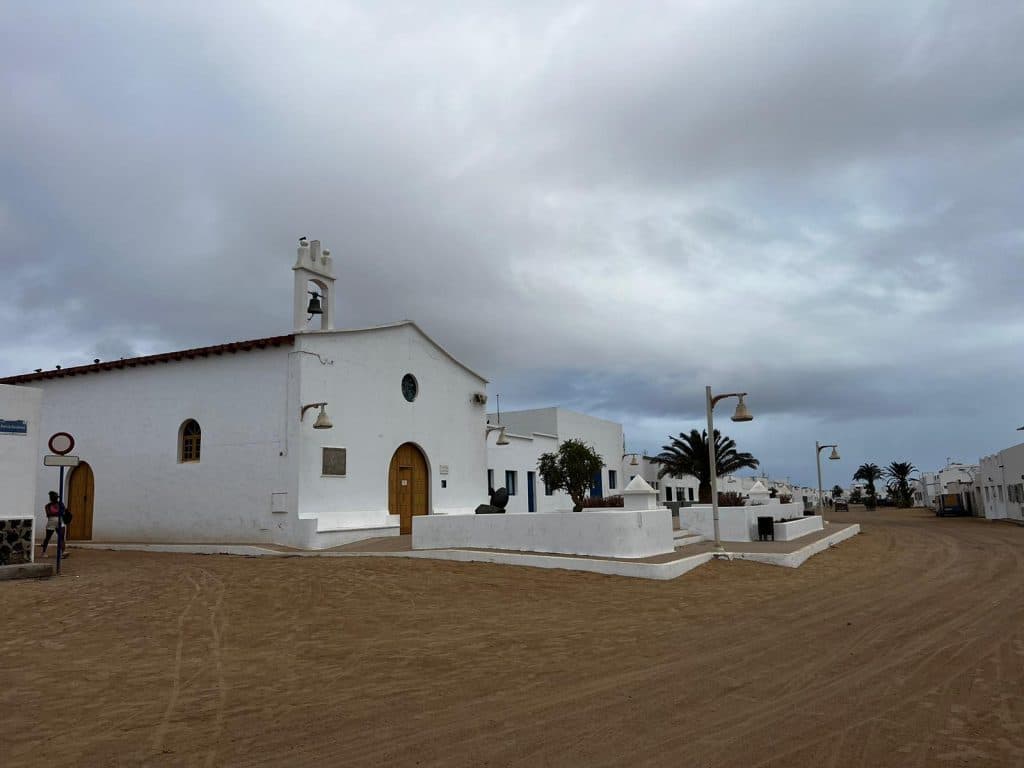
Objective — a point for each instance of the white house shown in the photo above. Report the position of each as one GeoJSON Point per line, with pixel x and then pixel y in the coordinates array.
{"type": "Point", "coordinates": [309, 439]}
{"type": "Point", "coordinates": [954, 478]}
{"type": "Point", "coordinates": [670, 488]}
{"type": "Point", "coordinates": [999, 484]}
{"type": "Point", "coordinates": [20, 460]}
{"type": "Point", "coordinates": [532, 433]}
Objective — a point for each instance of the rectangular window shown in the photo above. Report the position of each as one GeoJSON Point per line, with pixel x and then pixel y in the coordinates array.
{"type": "Point", "coordinates": [547, 489]}
{"type": "Point", "coordinates": [655, 484]}
{"type": "Point", "coordinates": [668, 490]}
{"type": "Point", "coordinates": [510, 481]}
{"type": "Point", "coordinates": [689, 491]}
{"type": "Point", "coordinates": [611, 479]}
{"type": "Point", "coordinates": [988, 495]}
{"type": "Point", "coordinates": [680, 494]}
{"type": "Point", "coordinates": [490, 480]}
{"type": "Point", "coordinates": [999, 488]}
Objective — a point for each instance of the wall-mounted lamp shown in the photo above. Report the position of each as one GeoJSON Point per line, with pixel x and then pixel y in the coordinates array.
{"type": "Point", "coordinates": [502, 437]}
{"type": "Point", "coordinates": [322, 419]}
{"type": "Point", "coordinates": [635, 461]}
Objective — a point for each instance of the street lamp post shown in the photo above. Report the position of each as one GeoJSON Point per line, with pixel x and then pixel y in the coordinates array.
{"type": "Point", "coordinates": [741, 414]}
{"type": "Point", "coordinates": [834, 456]}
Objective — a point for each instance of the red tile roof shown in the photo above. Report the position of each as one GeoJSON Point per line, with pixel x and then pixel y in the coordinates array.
{"type": "Point", "coordinates": [165, 357]}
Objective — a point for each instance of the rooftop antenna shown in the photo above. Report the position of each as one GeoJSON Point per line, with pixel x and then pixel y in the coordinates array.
{"type": "Point", "coordinates": [497, 399]}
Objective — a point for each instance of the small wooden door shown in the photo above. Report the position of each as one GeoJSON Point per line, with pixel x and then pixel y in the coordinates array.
{"type": "Point", "coordinates": [407, 485]}
{"type": "Point", "coordinates": [81, 487]}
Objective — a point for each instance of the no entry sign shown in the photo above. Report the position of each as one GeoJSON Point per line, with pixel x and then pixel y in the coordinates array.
{"type": "Point", "coordinates": [61, 443]}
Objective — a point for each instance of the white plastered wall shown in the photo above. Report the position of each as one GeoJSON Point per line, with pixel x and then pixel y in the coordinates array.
{"type": "Point", "coordinates": [359, 375]}
{"type": "Point", "coordinates": [996, 473]}
{"type": "Point", "coordinates": [126, 423]}
{"type": "Point", "coordinates": [20, 455]}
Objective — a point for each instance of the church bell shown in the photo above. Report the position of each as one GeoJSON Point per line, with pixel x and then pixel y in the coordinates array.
{"type": "Point", "coordinates": [314, 307]}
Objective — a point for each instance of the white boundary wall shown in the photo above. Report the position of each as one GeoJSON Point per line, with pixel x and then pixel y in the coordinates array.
{"type": "Point", "coordinates": [642, 533]}
{"type": "Point", "coordinates": [794, 529]}
{"type": "Point", "coordinates": [738, 523]}
{"type": "Point", "coordinates": [661, 571]}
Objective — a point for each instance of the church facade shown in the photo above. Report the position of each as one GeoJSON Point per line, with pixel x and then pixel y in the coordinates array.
{"type": "Point", "coordinates": [311, 439]}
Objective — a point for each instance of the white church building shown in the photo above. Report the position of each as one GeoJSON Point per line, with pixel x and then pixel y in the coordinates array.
{"type": "Point", "coordinates": [311, 439]}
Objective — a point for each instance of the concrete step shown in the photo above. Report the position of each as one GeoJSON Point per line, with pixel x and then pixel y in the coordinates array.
{"type": "Point", "coordinates": [682, 537]}
{"type": "Point", "coordinates": [27, 571]}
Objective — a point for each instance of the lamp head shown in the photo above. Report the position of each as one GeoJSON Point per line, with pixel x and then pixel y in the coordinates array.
{"type": "Point", "coordinates": [502, 437]}
{"type": "Point", "coordinates": [635, 461]}
{"type": "Point", "coordinates": [322, 420]}
{"type": "Point", "coordinates": [834, 456]}
{"type": "Point", "coordinates": [742, 412]}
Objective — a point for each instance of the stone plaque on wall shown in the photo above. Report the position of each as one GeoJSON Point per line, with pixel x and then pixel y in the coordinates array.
{"type": "Point", "coordinates": [334, 461]}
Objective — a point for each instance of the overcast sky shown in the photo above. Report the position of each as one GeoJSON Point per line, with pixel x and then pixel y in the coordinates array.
{"type": "Point", "coordinates": [599, 205]}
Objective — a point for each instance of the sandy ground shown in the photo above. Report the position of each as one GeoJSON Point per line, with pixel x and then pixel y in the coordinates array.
{"type": "Point", "coordinates": [902, 647]}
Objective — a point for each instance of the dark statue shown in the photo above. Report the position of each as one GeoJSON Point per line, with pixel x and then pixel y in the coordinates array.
{"type": "Point", "coordinates": [499, 500]}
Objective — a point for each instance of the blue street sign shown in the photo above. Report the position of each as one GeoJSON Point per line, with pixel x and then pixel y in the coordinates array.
{"type": "Point", "coordinates": [13, 427]}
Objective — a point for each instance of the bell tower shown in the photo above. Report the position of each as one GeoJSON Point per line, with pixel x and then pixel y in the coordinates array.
{"type": "Point", "coordinates": [313, 266]}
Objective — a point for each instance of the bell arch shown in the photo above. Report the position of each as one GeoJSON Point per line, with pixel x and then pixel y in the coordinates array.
{"type": "Point", "coordinates": [313, 266]}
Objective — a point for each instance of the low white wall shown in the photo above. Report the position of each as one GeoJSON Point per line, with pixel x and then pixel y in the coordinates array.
{"type": "Point", "coordinates": [794, 529]}
{"type": "Point", "coordinates": [642, 533]}
{"type": "Point", "coordinates": [734, 523]}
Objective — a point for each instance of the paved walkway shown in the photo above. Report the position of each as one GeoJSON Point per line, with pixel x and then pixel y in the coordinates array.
{"type": "Point", "coordinates": [668, 566]}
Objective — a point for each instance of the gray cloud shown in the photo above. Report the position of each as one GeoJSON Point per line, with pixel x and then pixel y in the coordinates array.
{"type": "Point", "coordinates": [599, 205]}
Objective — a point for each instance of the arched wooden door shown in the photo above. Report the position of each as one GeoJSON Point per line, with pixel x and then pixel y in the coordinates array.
{"type": "Point", "coordinates": [81, 488]}
{"type": "Point", "coordinates": [408, 492]}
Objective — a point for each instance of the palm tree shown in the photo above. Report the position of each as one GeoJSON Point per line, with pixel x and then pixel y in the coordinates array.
{"type": "Point", "coordinates": [869, 473]}
{"type": "Point", "coordinates": [837, 492]}
{"type": "Point", "coordinates": [898, 474]}
{"type": "Point", "coordinates": [688, 455]}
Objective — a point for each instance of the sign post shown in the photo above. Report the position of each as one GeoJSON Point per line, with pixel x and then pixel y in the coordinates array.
{"type": "Point", "coordinates": [61, 443]}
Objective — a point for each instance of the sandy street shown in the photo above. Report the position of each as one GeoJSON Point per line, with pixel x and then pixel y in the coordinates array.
{"type": "Point", "coordinates": [902, 647]}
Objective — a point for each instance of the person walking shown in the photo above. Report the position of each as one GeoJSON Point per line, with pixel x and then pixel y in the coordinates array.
{"type": "Point", "coordinates": [55, 517]}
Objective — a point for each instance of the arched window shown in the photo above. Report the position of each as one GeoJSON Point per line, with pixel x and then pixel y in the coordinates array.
{"type": "Point", "coordinates": [189, 438]}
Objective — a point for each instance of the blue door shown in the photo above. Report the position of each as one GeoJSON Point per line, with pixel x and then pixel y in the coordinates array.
{"type": "Point", "coordinates": [596, 489]}
{"type": "Point", "coordinates": [531, 491]}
